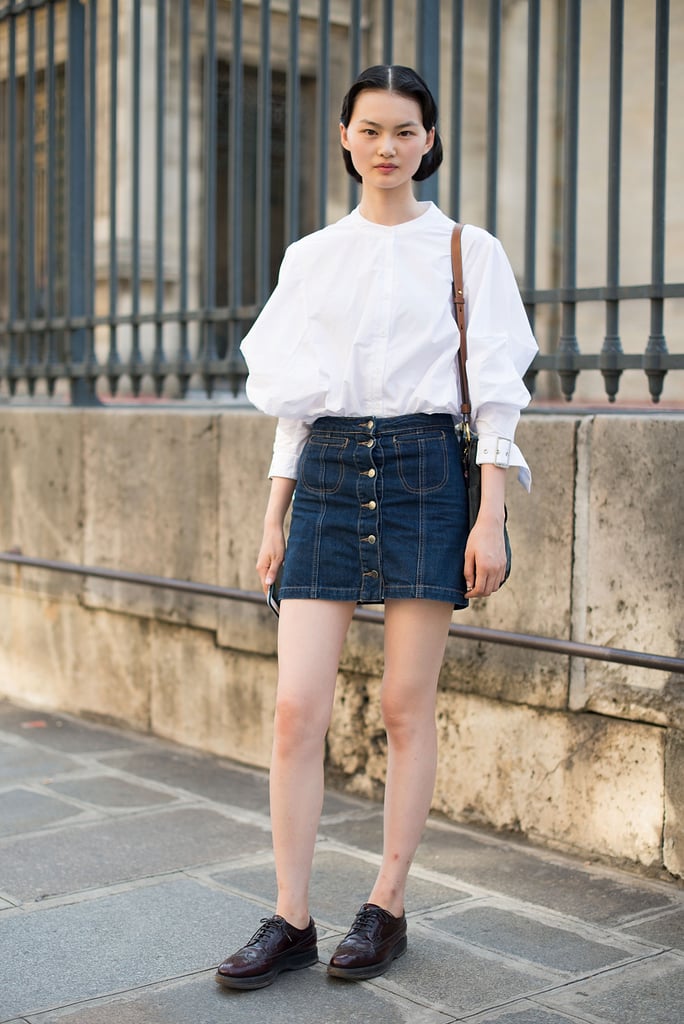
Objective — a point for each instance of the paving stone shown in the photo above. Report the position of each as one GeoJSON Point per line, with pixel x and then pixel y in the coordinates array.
{"type": "Point", "coordinates": [58, 955]}
{"type": "Point", "coordinates": [107, 791]}
{"type": "Point", "coordinates": [216, 779]}
{"type": "Point", "coordinates": [524, 874]}
{"type": "Point", "coordinates": [205, 776]}
{"type": "Point", "coordinates": [26, 763]}
{"type": "Point", "coordinates": [22, 811]}
{"type": "Point", "coordinates": [521, 936]}
{"type": "Point", "coordinates": [61, 732]}
{"type": "Point", "coordinates": [524, 1012]}
{"type": "Point", "coordinates": [340, 884]}
{"type": "Point", "coordinates": [114, 851]}
{"type": "Point", "coordinates": [666, 931]}
{"type": "Point", "coordinates": [307, 997]}
{"type": "Point", "coordinates": [454, 978]}
{"type": "Point", "coordinates": [649, 992]}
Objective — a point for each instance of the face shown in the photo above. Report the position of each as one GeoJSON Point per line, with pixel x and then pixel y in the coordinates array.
{"type": "Point", "coordinates": [386, 138]}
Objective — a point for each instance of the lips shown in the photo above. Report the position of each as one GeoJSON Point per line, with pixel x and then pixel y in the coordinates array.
{"type": "Point", "coordinates": [385, 167]}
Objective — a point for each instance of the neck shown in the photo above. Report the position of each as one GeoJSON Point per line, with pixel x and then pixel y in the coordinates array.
{"type": "Point", "coordinates": [388, 208]}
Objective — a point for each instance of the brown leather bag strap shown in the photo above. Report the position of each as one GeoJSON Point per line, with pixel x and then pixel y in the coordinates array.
{"type": "Point", "coordinates": [459, 311]}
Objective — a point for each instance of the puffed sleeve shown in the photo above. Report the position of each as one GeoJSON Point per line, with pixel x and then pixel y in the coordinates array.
{"type": "Point", "coordinates": [501, 346]}
{"type": "Point", "coordinates": [284, 378]}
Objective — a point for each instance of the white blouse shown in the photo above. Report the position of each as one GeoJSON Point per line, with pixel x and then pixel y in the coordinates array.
{"type": "Point", "coordinates": [361, 324]}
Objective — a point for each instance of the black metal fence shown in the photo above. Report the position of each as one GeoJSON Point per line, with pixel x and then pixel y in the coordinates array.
{"type": "Point", "coordinates": [156, 158]}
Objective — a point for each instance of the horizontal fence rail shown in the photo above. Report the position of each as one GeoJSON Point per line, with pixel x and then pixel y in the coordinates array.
{"type": "Point", "coordinates": [153, 169]}
{"type": "Point", "coordinates": [572, 648]}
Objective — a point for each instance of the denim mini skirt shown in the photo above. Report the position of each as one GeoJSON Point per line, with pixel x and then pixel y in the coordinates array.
{"type": "Point", "coordinates": [380, 511]}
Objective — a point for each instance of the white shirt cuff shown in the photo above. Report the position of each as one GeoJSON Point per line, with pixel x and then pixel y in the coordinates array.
{"type": "Point", "coordinates": [502, 452]}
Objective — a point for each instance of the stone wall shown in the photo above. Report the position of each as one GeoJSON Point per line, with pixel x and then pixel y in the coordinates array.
{"type": "Point", "coordinates": [575, 754]}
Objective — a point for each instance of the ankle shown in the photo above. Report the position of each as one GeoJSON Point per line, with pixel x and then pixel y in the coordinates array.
{"type": "Point", "coordinates": [295, 918]}
{"type": "Point", "coordinates": [395, 906]}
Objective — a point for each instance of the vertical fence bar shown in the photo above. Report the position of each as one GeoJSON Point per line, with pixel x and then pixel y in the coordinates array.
{"type": "Point", "coordinates": [135, 360]}
{"type": "Point", "coordinates": [235, 199]}
{"type": "Point", "coordinates": [568, 348]}
{"type": "Point", "coordinates": [263, 225]}
{"type": "Point", "coordinates": [292, 134]}
{"type": "Point", "coordinates": [493, 79]}
{"type": "Point", "coordinates": [387, 32]}
{"type": "Point", "coordinates": [355, 31]}
{"type": "Point", "coordinates": [456, 128]}
{"type": "Point", "coordinates": [159, 359]}
{"type": "Point", "coordinates": [91, 155]}
{"type": "Point", "coordinates": [76, 188]}
{"type": "Point", "coordinates": [323, 100]}
{"type": "Point", "coordinates": [531, 151]}
{"type": "Point", "coordinates": [427, 60]}
{"type": "Point", "coordinates": [184, 350]}
{"type": "Point", "coordinates": [51, 202]}
{"type": "Point", "coordinates": [113, 360]}
{"type": "Point", "coordinates": [30, 359]}
{"type": "Point", "coordinates": [612, 346]}
{"type": "Point", "coordinates": [657, 347]}
{"type": "Point", "coordinates": [210, 136]}
{"type": "Point", "coordinates": [354, 70]}
{"type": "Point", "coordinates": [12, 191]}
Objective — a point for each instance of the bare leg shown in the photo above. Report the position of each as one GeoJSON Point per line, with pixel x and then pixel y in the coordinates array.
{"type": "Point", "coordinates": [415, 638]}
{"type": "Point", "coordinates": [310, 638]}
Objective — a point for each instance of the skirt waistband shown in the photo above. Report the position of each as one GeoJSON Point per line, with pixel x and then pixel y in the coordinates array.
{"type": "Point", "coordinates": [376, 425]}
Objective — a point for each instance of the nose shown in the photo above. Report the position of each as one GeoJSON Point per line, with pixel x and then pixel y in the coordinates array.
{"type": "Point", "coordinates": [386, 146]}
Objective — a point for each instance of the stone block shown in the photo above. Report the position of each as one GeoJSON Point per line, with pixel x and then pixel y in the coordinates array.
{"type": "Point", "coordinates": [629, 588]}
{"type": "Point", "coordinates": [651, 991]}
{"type": "Point", "coordinates": [245, 446]}
{"type": "Point", "coordinates": [576, 781]}
{"type": "Point", "coordinates": [151, 499]}
{"type": "Point", "coordinates": [205, 696]}
{"type": "Point", "coordinates": [673, 845]}
{"type": "Point", "coordinates": [57, 654]}
{"type": "Point", "coordinates": [197, 773]}
{"type": "Point", "coordinates": [132, 847]}
{"type": "Point", "coordinates": [340, 882]}
{"type": "Point", "coordinates": [55, 959]}
{"type": "Point", "coordinates": [41, 511]}
{"type": "Point", "coordinates": [533, 937]}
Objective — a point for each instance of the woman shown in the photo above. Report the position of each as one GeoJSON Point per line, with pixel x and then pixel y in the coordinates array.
{"type": "Point", "coordinates": [355, 353]}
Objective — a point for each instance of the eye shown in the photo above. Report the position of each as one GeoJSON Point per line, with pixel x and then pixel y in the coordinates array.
{"type": "Point", "coordinates": [406, 133]}
{"type": "Point", "coordinates": [368, 131]}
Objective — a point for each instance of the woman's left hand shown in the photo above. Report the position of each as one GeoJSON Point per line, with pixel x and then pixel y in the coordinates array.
{"type": "Point", "coordinates": [485, 553]}
{"type": "Point", "coordinates": [485, 557]}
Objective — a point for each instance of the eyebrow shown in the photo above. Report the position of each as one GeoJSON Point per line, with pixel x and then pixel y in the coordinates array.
{"type": "Point", "coordinates": [405, 124]}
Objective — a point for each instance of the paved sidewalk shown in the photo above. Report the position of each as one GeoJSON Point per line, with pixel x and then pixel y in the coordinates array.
{"type": "Point", "coordinates": [129, 867]}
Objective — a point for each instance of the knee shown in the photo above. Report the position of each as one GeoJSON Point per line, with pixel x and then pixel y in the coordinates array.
{"type": "Point", "coordinates": [297, 726]}
{"type": "Point", "coordinates": [405, 719]}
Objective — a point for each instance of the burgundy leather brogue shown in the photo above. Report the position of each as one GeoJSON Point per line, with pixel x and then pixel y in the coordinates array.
{"type": "Point", "coordinates": [276, 946]}
{"type": "Point", "coordinates": [375, 939]}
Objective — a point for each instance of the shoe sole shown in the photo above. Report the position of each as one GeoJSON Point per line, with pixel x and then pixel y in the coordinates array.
{"type": "Point", "coordinates": [294, 963]}
{"type": "Point", "coordinates": [370, 970]}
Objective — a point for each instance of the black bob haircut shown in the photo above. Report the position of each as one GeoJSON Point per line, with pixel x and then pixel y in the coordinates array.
{"type": "Point", "coordinates": [406, 82]}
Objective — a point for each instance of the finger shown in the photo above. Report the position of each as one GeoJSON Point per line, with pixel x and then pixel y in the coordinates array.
{"type": "Point", "coordinates": [272, 571]}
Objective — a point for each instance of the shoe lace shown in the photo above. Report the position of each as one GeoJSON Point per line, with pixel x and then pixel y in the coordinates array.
{"type": "Point", "coordinates": [269, 926]}
{"type": "Point", "coordinates": [364, 922]}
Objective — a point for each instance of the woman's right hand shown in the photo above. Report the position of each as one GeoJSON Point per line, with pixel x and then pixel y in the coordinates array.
{"type": "Point", "coordinates": [271, 555]}
{"type": "Point", "coordinates": [272, 550]}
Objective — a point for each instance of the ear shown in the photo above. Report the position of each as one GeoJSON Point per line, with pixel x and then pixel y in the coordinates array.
{"type": "Point", "coordinates": [344, 136]}
{"type": "Point", "coordinates": [430, 139]}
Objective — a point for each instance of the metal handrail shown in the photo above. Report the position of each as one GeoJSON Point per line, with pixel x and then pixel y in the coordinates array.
{"type": "Point", "coordinates": [531, 641]}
